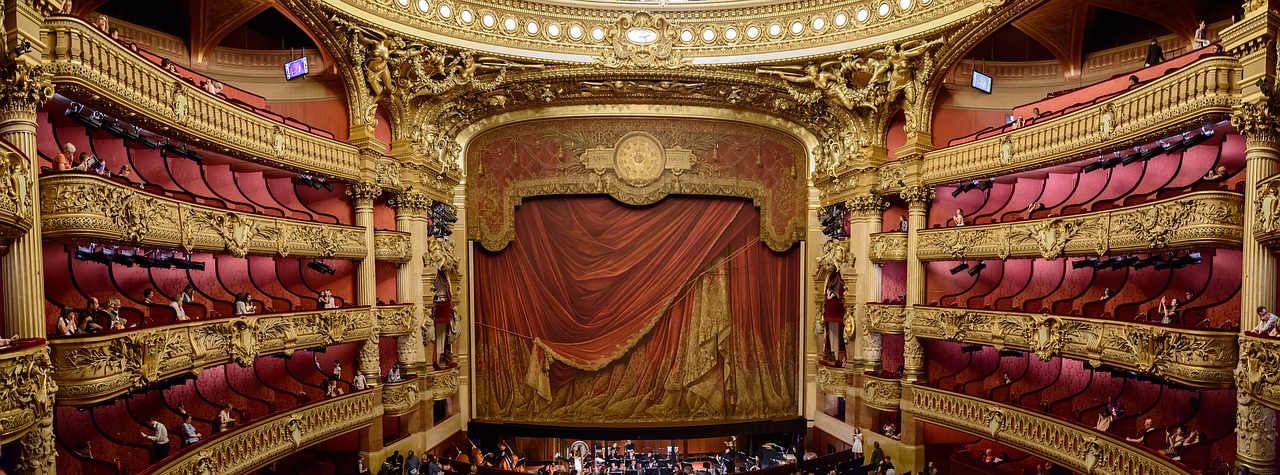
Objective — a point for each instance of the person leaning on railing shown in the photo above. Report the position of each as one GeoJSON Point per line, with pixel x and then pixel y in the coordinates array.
{"type": "Point", "coordinates": [1266, 322]}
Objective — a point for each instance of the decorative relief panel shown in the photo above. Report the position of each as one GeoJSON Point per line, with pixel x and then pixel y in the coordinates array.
{"type": "Point", "coordinates": [1205, 218]}
{"type": "Point", "coordinates": [98, 367]}
{"type": "Point", "coordinates": [391, 246]}
{"type": "Point", "coordinates": [27, 395]}
{"type": "Point", "coordinates": [394, 320]}
{"type": "Point", "coordinates": [1194, 357]}
{"type": "Point", "coordinates": [881, 393]}
{"type": "Point", "coordinates": [400, 397]}
{"type": "Point", "coordinates": [1074, 447]}
{"type": "Point", "coordinates": [888, 247]}
{"type": "Point", "coordinates": [261, 442]}
{"type": "Point", "coordinates": [442, 383]}
{"type": "Point", "coordinates": [1257, 378]}
{"type": "Point", "coordinates": [1266, 221]}
{"type": "Point", "coordinates": [832, 380]}
{"type": "Point", "coordinates": [80, 205]}
{"type": "Point", "coordinates": [886, 319]}
{"type": "Point", "coordinates": [87, 64]}
{"type": "Point", "coordinates": [1200, 93]}
{"type": "Point", "coordinates": [637, 161]}
{"type": "Point", "coordinates": [15, 193]}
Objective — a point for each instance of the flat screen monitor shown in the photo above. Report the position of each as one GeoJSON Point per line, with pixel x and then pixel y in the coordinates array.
{"type": "Point", "coordinates": [296, 68]}
{"type": "Point", "coordinates": [982, 82]}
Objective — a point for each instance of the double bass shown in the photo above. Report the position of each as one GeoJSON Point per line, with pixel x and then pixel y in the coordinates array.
{"type": "Point", "coordinates": [506, 459]}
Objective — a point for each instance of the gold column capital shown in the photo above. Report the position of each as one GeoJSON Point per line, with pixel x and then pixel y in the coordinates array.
{"type": "Point", "coordinates": [411, 203]}
{"type": "Point", "coordinates": [363, 193]}
{"type": "Point", "coordinates": [24, 88]}
{"type": "Point", "coordinates": [917, 196]}
{"type": "Point", "coordinates": [866, 206]}
{"type": "Point", "coordinates": [1258, 123]}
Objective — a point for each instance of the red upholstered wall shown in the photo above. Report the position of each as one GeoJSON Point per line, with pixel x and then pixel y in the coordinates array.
{"type": "Point", "coordinates": [950, 122]}
{"type": "Point", "coordinates": [893, 281]}
{"type": "Point", "coordinates": [890, 352]}
{"type": "Point", "coordinates": [330, 114]}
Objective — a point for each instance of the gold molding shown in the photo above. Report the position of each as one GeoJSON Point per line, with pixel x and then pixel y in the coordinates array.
{"type": "Point", "coordinates": [1201, 92]}
{"type": "Point", "coordinates": [1256, 378]}
{"type": "Point", "coordinates": [261, 442]}
{"type": "Point", "coordinates": [1074, 447]}
{"type": "Point", "coordinates": [889, 319]}
{"type": "Point", "coordinates": [442, 383]}
{"type": "Point", "coordinates": [1193, 357]}
{"type": "Point", "coordinates": [96, 368]}
{"type": "Point", "coordinates": [888, 247]}
{"type": "Point", "coordinates": [880, 393]}
{"type": "Point", "coordinates": [16, 197]}
{"type": "Point", "coordinates": [1204, 218]}
{"type": "Point", "coordinates": [394, 320]}
{"type": "Point", "coordinates": [833, 380]}
{"type": "Point", "coordinates": [400, 397]}
{"type": "Point", "coordinates": [1266, 222]}
{"type": "Point", "coordinates": [83, 206]}
{"type": "Point", "coordinates": [27, 396]}
{"type": "Point", "coordinates": [392, 246]}
{"type": "Point", "coordinates": [95, 68]}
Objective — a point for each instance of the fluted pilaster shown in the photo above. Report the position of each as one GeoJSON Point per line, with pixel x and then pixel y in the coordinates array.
{"type": "Point", "coordinates": [918, 199]}
{"type": "Point", "coordinates": [411, 217]}
{"type": "Point", "coordinates": [24, 89]}
{"type": "Point", "coordinates": [866, 215]}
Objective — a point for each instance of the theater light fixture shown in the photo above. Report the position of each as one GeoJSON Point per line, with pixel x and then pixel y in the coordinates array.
{"type": "Point", "coordinates": [1090, 262]}
{"type": "Point", "coordinates": [181, 151]}
{"type": "Point", "coordinates": [986, 184]}
{"type": "Point", "coordinates": [23, 47]}
{"type": "Point", "coordinates": [957, 269]}
{"type": "Point", "coordinates": [973, 271]}
{"type": "Point", "coordinates": [320, 267]}
{"type": "Point", "coordinates": [971, 348]}
{"type": "Point", "coordinates": [88, 119]}
{"type": "Point", "coordinates": [1011, 353]}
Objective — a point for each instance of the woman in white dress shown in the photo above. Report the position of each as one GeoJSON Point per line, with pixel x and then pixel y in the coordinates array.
{"type": "Point", "coordinates": [857, 443]}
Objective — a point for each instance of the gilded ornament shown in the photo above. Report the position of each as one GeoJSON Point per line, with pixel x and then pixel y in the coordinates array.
{"type": "Point", "coordinates": [1107, 121]}
{"type": "Point", "coordinates": [917, 196]}
{"type": "Point", "coordinates": [25, 87]}
{"type": "Point", "coordinates": [364, 193]}
{"type": "Point", "coordinates": [1047, 335]}
{"type": "Point", "coordinates": [642, 40]}
{"type": "Point", "coordinates": [835, 256]}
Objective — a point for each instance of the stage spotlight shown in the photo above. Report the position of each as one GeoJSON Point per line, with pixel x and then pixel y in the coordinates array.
{"type": "Point", "coordinates": [986, 184]}
{"type": "Point", "coordinates": [143, 140]}
{"type": "Point", "coordinates": [971, 348]}
{"type": "Point", "coordinates": [181, 151]}
{"type": "Point", "coordinates": [23, 47]}
{"type": "Point", "coordinates": [1097, 165]}
{"type": "Point", "coordinates": [1089, 262]}
{"type": "Point", "coordinates": [124, 258]}
{"type": "Point", "coordinates": [1148, 261]}
{"type": "Point", "coordinates": [1153, 151]}
{"type": "Point", "coordinates": [956, 270]}
{"type": "Point", "coordinates": [1199, 138]}
{"type": "Point", "coordinates": [956, 192]}
{"type": "Point", "coordinates": [1011, 353]}
{"type": "Point", "coordinates": [1176, 145]}
{"type": "Point", "coordinates": [76, 113]}
{"type": "Point", "coordinates": [320, 267]}
{"type": "Point", "coordinates": [978, 268]}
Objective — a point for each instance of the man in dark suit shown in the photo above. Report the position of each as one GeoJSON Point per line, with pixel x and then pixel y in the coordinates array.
{"type": "Point", "coordinates": [1155, 54]}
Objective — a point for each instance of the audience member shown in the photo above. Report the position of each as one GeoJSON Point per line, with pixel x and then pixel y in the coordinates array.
{"type": "Point", "coordinates": [325, 299]}
{"type": "Point", "coordinates": [112, 312]}
{"type": "Point", "coordinates": [88, 317]}
{"type": "Point", "coordinates": [102, 23]}
{"type": "Point", "coordinates": [188, 431]}
{"type": "Point", "coordinates": [1007, 379]}
{"type": "Point", "coordinates": [66, 7]}
{"type": "Point", "coordinates": [212, 87]}
{"type": "Point", "coordinates": [1133, 80]}
{"type": "Point", "coordinates": [1147, 426]}
{"type": "Point", "coordinates": [337, 370]}
{"type": "Point", "coordinates": [1002, 458]}
{"type": "Point", "coordinates": [857, 443]}
{"type": "Point", "coordinates": [331, 388]}
{"type": "Point", "coordinates": [7, 342]}
{"type": "Point", "coordinates": [903, 224]}
{"type": "Point", "coordinates": [360, 468]}
{"type": "Point", "coordinates": [1106, 294]}
{"type": "Point", "coordinates": [890, 429]}
{"type": "Point", "coordinates": [147, 294]}
{"type": "Point", "coordinates": [66, 325]}
{"type": "Point", "coordinates": [1170, 314]}
{"type": "Point", "coordinates": [1216, 174]}
{"type": "Point", "coordinates": [1114, 407]}
{"type": "Point", "coordinates": [124, 172]}
{"type": "Point", "coordinates": [877, 454]}
{"type": "Point", "coordinates": [929, 469]}
{"type": "Point", "coordinates": [168, 65]}
{"type": "Point", "coordinates": [412, 465]}
{"type": "Point", "coordinates": [243, 306]}
{"type": "Point", "coordinates": [958, 219]}
{"type": "Point", "coordinates": [1155, 54]}
{"type": "Point", "coordinates": [1201, 39]}
{"type": "Point", "coordinates": [393, 375]}
{"type": "Point", "coordinates": [1104, 420]}
{"type": "Point", "coordinates": [82, 447]}
{"type": "Point", "coordinates": [989, 456]}
{"type": "Point", "coordinates": [1176, 440]}
{"type": "Point", "coordinates": [359, 382]}
{"type": "Point", "coordinates": [182, 409]}
{"type": "Point", "coordinates": [62, 161]}
{"type": "Point", "coordinates": [226, 418]}
{"type": "Point", "coordinates": [159, 438]}
{"type": "Point", "coordinates": [1266, 322]}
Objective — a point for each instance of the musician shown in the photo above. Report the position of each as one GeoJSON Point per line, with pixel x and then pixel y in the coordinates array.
{"type": "Point", "coordinates": [507, 458]}
{"type": "Point", "coordinates": [731, 444]}
{"type": "Point", "coordinates": [631, 448]}
{"type": "Point", "coordinates": [730, 454]}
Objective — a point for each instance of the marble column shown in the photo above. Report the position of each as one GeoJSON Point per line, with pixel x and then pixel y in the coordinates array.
{"type": "Point", "coordinates": [865, 217]}
{"type": "Point", "coordinates": [918, 199]}
{"type": "Point", "coordinates": [362, 196]}
{"type": "Point", "coordinates": [411, 217]}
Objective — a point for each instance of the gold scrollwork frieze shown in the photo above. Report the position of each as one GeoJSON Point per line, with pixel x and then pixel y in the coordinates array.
{"type": "Point", "coordinates": [264, 441]}
{"type": "Point", "coordinates": [1199, 93]}
{"type": "Point", "coordinates": [1256, 378]}
{"type": "Point", "coordinates": [89, 65]}
{"type": "Point", "coordinates": [24, 398]}
{"type": "Point", "coordinates": [76, 206]}
{"type": "Point", "coordinates": [394, 320]}
{"type": "Point", "coordinates": [1194, 357]}
{"type": "Point", "coordinates": [887, 319]}
{"type": "Point", "coordinates": [888, 247]}
{"type": "Point", "coordinates": [95, 368]}
{"type": "Point", "coordinates": [1204, 218]}
{"type": "Point", "coordinates": [880, 393]}
{"type": "Point", "coordinates": [442, 383]}
{"type": "Point", "coordinates": [1266, 224]}
{"type": "Point", "coordinates": [392, 246]}
{"type": "Point", "coordinates": [833, 381]}
{"type": "Point", "coordinates": [1077, 448]}
{"type": "Point", "coordinates": [400, 397]}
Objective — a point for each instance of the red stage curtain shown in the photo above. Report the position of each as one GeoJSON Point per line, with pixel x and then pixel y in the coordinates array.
{"type": "Point", "coordinates": [588, 280]}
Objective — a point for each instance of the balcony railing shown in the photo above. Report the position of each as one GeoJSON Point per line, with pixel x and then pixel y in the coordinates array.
{"type": "Point", "coordinates": [391, 246]}
{"type": "Point", "coordinates": [86, 62]}
{"type": "Point", "coordinates": [888, 247]}
{"type": "Point", "coordinates": [400, 397]}
{"type": "Point", "coordinates": [1194, 357]}
{"type": "Point", "coordinates": [97, 367]}
{"type": "Point", "coordinates": [261, 442]}
{"type": "Point", "coordinates": [1258, 378]}
{"type": "Point", "coordinates": [1080, 449]}
{"type": "Point", "coordinates": [84, 206]}
{"type": "Point", "coordinates": [395, 320]}
{"type": "Point", "coordinates": [833, 380]}
{"type": "Point", "coordinates": [1200, 93]}
{"type": "Point", "coordinates": [1199, 219]}
{"type": "Point", "coordinates": [886, 318]}
{"type": "Point", "coordinates": [880, 392]}
{"type": "Point", "coordinates": [25, 399]}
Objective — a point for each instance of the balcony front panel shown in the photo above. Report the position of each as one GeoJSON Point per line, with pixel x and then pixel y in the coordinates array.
{"type": "Point", "coordinates": [262, 442]}
{"type": "Point", "coordinates": [93, 368]}
{"type": "Point", "coordinates": [888, 247]}
{"type": "Point", "coordinates": [391, 246]}
{"type": "Point", "coordinates": [87, 207]}
{"type": "Point", "coordinates": [833, 380]}
{"type": "Point", "coordinates": [84, 61]}
{"type": "Point", "coordinates": [15, 193]}
{"type": "Point", "coordinates": [1266, 224]}
{"type": "Point", "coordinates": [443, 383]}
{"type": "Point", "coordinates": [1199, 219]}
{"type": "Point", "coordinates": [1200, 93]}
{"type": "Point", "coordinates": [27, 396]}
{"type": "Point", "coordinates": [1194, 357]}
{"type": "Point", "coordinates": [886, 318]}
{"type": "Point", "coordinates": [881, 393]}
{"type": "Point", "coordinates": [1257, 377]}
{"type": "Point", "coordinates": [394, 320]}
{"type": "Point", "coordinates": [1080, 449]}
{"type": "Point", "coordinates": [400, 397]}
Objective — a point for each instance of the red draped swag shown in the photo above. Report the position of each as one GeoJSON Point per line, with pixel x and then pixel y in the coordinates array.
{"type": "Point", "coordinates": [600, 311]}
